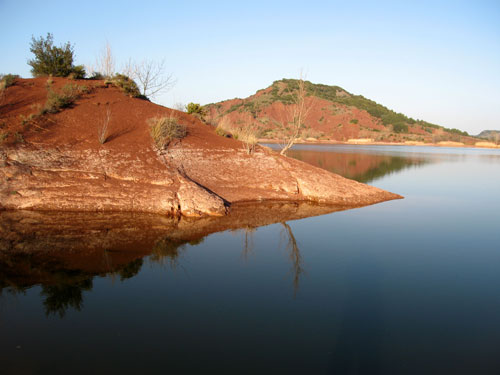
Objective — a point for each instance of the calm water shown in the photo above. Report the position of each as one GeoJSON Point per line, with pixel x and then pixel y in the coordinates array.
{"type": "Point", "coordinates": [403, 287]}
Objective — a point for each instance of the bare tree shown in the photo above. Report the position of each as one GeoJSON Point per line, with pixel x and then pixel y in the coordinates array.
{"type": "Point", "coordinates": [151, 77]}
{"type": "Point", "coordinates": [105, 63]}
{"type": "Point", "coordinates": [298, 112]}
{"type": "Point", "coordinates": [128, 68]}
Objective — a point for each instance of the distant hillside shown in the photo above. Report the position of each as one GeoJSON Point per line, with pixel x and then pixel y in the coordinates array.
{"type": "Point", "coordinates": [491, 135]}
{"type": "Point", "coordinates": [334, 114]}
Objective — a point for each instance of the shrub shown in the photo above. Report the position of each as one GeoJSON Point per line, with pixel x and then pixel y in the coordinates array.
{"type": "Point", "coordinates": [165, 129]}
{"type": "Point", "coordinates": [221, 132]}
{"type": "Point", "coordinates": [18, 137]}
{"type": "Point", "coordinates": [3, 136]}
{"type": "Point", "coordinates": [102, 129]}
{"type": "Point", "coordinates": [7, 80]}
{"type": "Point", "coordinates": [49, 82]}
{"type": "Point", "coordinates": [25, 120]}
{"type": "Point", "coordinates": [196, 109]}
{"type": "Point", "coordinates": [400, 127]}
{"type": "Point", "coordinates": [97, 76]}
{"type": "Point", "coordinates": [353, 121]}
{"type": "Point", "coordinates": [127, 85]}
{"type": "Point", "coordinates": [78, 72]}
{"type": "Point", "coordinates": [248, 135]}
{"type": "Point", "coordinates": [59, 100]}
{"type": "Point", "coordinates": [51, 60]}
{"type": "Point", "coordinates": [224, 128]}
{"type": "Point", "coordinates": [457, 131]}
{"type": "Point", "coordinates": [244, 133]}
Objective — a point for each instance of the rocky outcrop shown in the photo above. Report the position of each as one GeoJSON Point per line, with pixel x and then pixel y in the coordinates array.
{"type": "Point", "coordinates": [266, 175]}
{"type": "Point", "coordinates": [64, 179]}
{"type": "Point", "coordinates": [192, 182]}
{"type": "Point", "coordinates": [60, 164]}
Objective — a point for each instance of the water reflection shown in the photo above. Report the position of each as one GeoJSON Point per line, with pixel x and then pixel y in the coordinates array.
{"type": "Point", "coordinates": [362, 167]}
{"type": "Point", "coordinates": [60, 297]}
{"type": "Point", "coordinates": [64, 251]}
{"type": "Point", "coordinates": [248, 244]}
{"type": "Point", "coordinates": [288, 242]}
{"type": "Point", "coordinates": [293, 250]}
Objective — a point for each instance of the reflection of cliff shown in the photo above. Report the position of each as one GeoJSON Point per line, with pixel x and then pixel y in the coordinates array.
{"type": "Point", "coordinates": [64, 251]}
{"type": "Point", "coordinates": [357, 166]}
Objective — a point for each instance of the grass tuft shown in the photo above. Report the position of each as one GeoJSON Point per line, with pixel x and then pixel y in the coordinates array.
{"type": "Point", "coordinates": [165, 129]}
{"type": "Point", "coordinates": [245, 133]}
{"type": "Point", "coordinates": [59, 100]}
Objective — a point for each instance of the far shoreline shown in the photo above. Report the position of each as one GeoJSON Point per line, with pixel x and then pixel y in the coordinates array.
{"type": "Point", "coordinates": [361, 142]}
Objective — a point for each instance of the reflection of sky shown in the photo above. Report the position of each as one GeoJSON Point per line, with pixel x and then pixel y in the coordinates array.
{"type": "Point", "coordinates": [397, 150]}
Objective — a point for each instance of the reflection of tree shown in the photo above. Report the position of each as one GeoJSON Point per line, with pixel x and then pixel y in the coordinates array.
{"type": "Point", "coordinates": [362, 167]}
{"type": "Point", "coordinates": [166, 251]}
{"type": "Point", "coordinates": [60, 297]}
{"type": "Point", "coordinates": [295, 257]}
{"type": "Point", "coordinates": [62, 287]}
{"type": "Point", "coordinates": [131, 269]}
{"type": "Point", "coordinates": [291, 247]}
{"type": "Point", "coordinates": [248, 242]}
{"type": "Point", "coordinates": [10, 288]}
{"type": "Point", "coordinates": [387, 167]}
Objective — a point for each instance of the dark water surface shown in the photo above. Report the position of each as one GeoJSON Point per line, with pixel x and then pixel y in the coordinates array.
{"type": "Point", "coordinates": [403, 287]}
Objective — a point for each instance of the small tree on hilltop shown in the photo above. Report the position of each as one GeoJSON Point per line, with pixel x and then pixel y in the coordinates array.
{"type": "Point", "coordinates": [152, 77]}
{"type": "Point", "coordinates": [51, 60]}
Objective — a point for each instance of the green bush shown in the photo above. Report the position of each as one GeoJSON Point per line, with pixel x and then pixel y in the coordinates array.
{"type": "Point", "coordinates": [3, 136]}
{"type": "Point", "coordinates": [196, 109]}
{"type": "Point", "coordinates": [165, 129]}
{"type": "Point", "coordinates": [78, 72]}
{"type": "Point", "coordinates": [7, 80]}
{"type": "Point", "coordinates": [97, 76]}
{"type": "Point", "coordinates": [457, 131]}
{"type": "Point", "coordinates": [353, 121]}
{"type": "Point", "coordinates": [51, 60]}
{"type": "Point", "coordinates": [59, 100]}
{"type": "Point", "coordinates": [400, 127]}
{"type": "Point", "coordinates": [127, 85]}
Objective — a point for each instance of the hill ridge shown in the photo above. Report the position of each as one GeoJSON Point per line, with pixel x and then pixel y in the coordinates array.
{"type": "Point", "coordinates": [362, 116]}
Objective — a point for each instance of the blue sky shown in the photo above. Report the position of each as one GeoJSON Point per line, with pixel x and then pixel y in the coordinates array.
{"type": "Point", "coordinates": [438, 61]}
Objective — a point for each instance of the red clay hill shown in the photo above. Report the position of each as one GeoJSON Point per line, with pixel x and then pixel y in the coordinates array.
{"type": "Point", "coordinates": [334, 114]}
{"type": "Point", "coordinates": [52, 159]}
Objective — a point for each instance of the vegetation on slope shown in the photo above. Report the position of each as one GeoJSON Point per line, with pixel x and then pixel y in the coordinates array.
{"type": "Point", "coordinates": [284, 90]}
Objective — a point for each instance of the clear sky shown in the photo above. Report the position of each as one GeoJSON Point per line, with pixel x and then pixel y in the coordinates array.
{"type": "Point", "coordinates": [432, 60]}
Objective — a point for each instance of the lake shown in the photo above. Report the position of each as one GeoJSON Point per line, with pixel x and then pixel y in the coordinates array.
{"type": "Point", "coordinates": [408, 286]}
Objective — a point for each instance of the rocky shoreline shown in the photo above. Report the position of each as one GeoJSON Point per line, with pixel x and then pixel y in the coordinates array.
{"type": "Point", "coordinates": [61, 165]}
